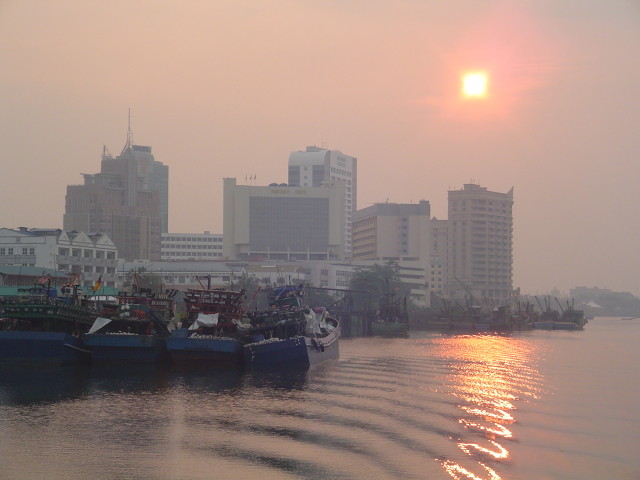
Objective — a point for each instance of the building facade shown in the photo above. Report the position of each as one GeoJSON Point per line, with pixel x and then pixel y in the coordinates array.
{"type": "Point", "coordinates": [85, 257]}
{"type": "Point", "coordinates": [282, 222]}
{"type": "Point", "coordinates": [439, 234]}
{"type": "Point", "coordinates": [128, 201]}
{"type": "Point", "coordinates": [399, 233]}
{"type": "Point", "coordinates": [480, 245]}
{"type": "Point", "coordinates": [316, 166]}
{"type": "Point", "coordinates": [182, 275]}
{"type": "Point", "coordinates": [191, 246]}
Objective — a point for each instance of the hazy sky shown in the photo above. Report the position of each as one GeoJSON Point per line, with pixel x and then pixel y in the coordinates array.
{"type": "Point", "coordinates": [230, 88]}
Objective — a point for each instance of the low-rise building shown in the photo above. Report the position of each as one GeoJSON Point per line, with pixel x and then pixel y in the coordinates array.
{"type": "Point", "coordinates": [85, 256]}
{"type": "Point", "coordinates": [190, 246]}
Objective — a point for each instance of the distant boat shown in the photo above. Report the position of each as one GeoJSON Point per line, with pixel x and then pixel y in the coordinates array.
{"type": "Point", "coordinates": [392, 319]}
{"type": "Point", "coordinates": [567, 319]}
{"type": "Point", "coordinates": [291, 335]}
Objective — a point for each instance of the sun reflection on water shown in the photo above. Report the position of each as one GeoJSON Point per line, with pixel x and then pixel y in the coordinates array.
{"type": "Point", "coordinates": [489, 374]}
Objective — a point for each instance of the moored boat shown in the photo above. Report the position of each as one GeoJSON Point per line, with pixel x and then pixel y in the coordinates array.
{"type": "Point", "coordinates": [41, 327]}
{"type": "Point", "coordinates": [135, 332]}
{"type": "Point", "coordinates": [291, 335]}
{"type": "Point", "coordinates": [212, 333]}
{"type": "Point", "coordinates": [392, 319]}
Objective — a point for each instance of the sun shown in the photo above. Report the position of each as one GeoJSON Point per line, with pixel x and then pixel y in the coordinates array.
{"type": "Point", "coordinates": [475, 84]}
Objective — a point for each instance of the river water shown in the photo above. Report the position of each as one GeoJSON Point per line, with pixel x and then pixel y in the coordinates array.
{"type": "Point", "coordinates": [530, 405]}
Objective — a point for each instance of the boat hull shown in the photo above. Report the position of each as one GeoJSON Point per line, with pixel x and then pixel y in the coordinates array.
{"type": "Point", "coordinates": [108, 348]}
{"type": "Point", "coordinates": [53, 348]}
{"type": "Point", "coordinates": [296, 352]}
{"type": "Point", "coordinates": [557, 326]}
{"type": "Point", "coordinates": [389, 329]}
{"type": "Point", "coordinates": [201, 351]}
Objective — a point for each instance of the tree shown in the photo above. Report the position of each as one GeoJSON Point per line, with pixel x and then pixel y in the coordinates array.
{"type": "Point", "coordinates": [317, 297]}
{"type": "Point", "coordinates": [377, 280]}
{"type": "Point", "coordinates": [140, 278]}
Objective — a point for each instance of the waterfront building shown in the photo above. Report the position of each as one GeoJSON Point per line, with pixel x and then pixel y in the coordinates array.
{"type": "Point", "coordinates": [480, 245]}
{"type": "Point", "coordinates": [395, 232]}
{"type": "Point", "coordinates": [332, 275]}
{"type": "Point", "coordinates": [128, 201]}
{"type": "Point", "coordinates": [315, 166]}
{"type": "Point", "coordinates": [87, 257]}
{"type": "Point", "coordinates": [279, 222]}
{"type": "Point", "coordinates": [181, 275]}
{"type": "Point", "coordinates": [191, 246]}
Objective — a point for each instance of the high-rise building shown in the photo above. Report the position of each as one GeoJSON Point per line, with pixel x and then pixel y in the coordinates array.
{"type": "Point", "coordinates": [480, 245]}
{"type": "Point", "coordinates": [128, 201]}
{"type": "Point", "coordinates": [279, 222]}
{"type": "Point", "coordinates": [396, 232]}
{"type": "Point", "coordinates": [316, 166]}
{"type": "Point", "coordinates": [439, 233]}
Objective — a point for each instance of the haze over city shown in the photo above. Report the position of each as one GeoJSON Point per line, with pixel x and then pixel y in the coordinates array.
{"type": "Point", "coordinates": [230, 88]}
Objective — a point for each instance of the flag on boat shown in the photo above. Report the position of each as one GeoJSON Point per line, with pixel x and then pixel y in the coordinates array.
{"type": "Point", "coordinates": [44, 279]}
{"type": "Point", "coordinates": [97, 285]}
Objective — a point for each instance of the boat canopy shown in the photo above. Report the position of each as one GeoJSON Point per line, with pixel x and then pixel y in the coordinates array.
{"type": "Point", "coordinates": [205, 320]}
{"type": "Point", "coordinates": [98, 324]}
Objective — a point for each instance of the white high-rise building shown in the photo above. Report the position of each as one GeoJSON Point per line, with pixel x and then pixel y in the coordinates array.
{"type": "Point", "coordinates": [317, 166]}
{"type": "Point", "coordinates": [480, 245]}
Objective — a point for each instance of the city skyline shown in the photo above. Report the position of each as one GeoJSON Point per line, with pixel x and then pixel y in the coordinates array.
{"type": "Point", "coordinates": [231, 89]}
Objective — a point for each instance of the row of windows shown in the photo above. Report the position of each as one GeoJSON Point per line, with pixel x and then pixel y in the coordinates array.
{"type": "Point", "coordinates": [10, 251]}
{"type": "Point", "coordinates": [340, 171]}
{"type": "Point", "coordinates": [87, 253]}
{"type": "Point", "coordinates": [191, 247]}
{"type": "Point", "coordinates": [191, 254]}
{"type": "Point", "coordinates": [87, 269]}
{"type": "Point", "coordinates": [192, 239]}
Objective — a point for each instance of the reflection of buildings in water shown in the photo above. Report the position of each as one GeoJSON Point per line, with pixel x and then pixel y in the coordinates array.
{"type": "Point", "coordinates": [489, 374]}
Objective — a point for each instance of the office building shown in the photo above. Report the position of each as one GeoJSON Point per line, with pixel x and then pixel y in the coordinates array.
{"type": "Point", "coordinates": [316, 166]}
{"type": "Point", "coordinates": [279, 222]}
{"type": "Point", "coordinates": [128, 201]}
{"type": "Point", "coordinates": [398, 233]}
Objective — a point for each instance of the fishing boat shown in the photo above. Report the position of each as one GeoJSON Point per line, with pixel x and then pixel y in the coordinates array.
{"type": "Point", "coordinates": [392, 319]}
{"type": "Point", "coordinates": [135, 331]}
{"type": "Point", "coordinates": [566, 319]}
{"type": "Point", "coordinates": [212, 333]}
{"type": "Point", "coordinates": [290, 334]}
{"type": "Point", "coordinates": [40, 325]}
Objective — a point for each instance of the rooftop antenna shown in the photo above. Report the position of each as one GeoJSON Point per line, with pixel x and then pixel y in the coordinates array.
{"type": "Point", "coordinates": [129, 135]}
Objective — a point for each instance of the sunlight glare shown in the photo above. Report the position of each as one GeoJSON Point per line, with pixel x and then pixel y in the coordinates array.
{"type": "Point", "coordinates": [475, 84]}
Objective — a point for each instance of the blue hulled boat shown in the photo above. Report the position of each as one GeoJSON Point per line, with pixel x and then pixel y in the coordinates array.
{"type": "Point", "coordinates": [41, 327]}
{"type": "Point", "coordinates": [212, 333]}
{"type": "Point", "coordinates": [135, 333]}
{"type": "Point", "coordinates": [290, 334]}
